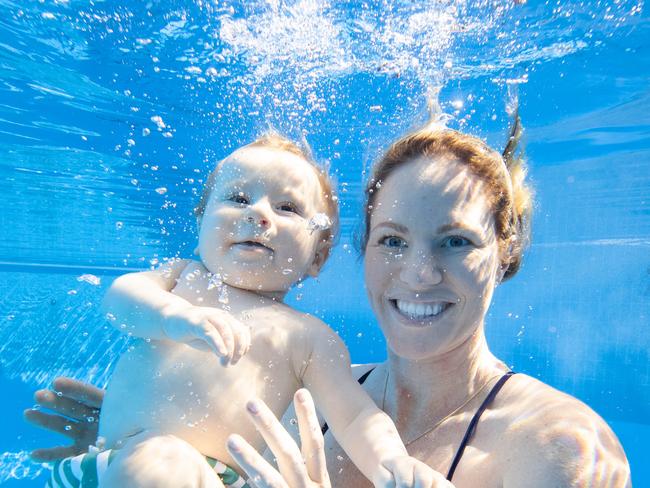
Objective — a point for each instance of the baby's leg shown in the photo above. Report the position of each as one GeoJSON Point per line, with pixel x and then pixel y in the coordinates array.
{"type": "Point", "coordinates": [159, 461]}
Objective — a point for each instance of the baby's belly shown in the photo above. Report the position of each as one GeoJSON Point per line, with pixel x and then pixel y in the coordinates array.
{"type": "Point", "coordinates": [171, 388]}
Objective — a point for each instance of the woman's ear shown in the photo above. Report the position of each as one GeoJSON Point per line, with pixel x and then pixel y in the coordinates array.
{"type": "Point", "coordinates": [505, 257]}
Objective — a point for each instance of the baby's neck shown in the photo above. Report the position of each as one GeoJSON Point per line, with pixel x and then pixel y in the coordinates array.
{"type": "Point", "coordinates": [276, 296]}
{"type": "Point", "coordinates": [222, 292]}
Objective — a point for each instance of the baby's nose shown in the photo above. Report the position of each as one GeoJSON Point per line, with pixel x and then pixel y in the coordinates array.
{"type": "Point", "coordinates": [260, 221]}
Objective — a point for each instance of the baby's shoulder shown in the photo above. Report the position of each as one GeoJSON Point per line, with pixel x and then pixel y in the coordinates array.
{"type": "Point", "coordinates": [302, 323]}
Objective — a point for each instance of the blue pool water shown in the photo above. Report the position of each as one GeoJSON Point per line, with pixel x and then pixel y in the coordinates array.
{"type": "Point", "coordinates": [112, 112]}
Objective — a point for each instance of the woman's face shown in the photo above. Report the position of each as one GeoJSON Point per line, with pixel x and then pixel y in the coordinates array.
{"type": "Point", "coordinates": [432, 258]}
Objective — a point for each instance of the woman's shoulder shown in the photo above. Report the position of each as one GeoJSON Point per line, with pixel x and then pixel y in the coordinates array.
{"type": "Point", "coordinates": [565, 439]}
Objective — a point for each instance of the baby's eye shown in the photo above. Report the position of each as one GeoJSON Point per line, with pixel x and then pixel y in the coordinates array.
{"type": "Point", "coordinates": [239, 198]}
{"type": "Point", "coordinates": [456, 241]}
{"type": "Point", "coordinates": [392, 242]}
{"type": "Point", "coordinates": [288, 207]}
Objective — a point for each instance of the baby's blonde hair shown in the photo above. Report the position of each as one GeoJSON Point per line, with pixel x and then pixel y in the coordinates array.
{"type": "Point", "coordinates": [273, 140]}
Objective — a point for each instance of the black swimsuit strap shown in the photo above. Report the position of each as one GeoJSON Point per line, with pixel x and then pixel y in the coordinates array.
{"type": "Point", "coordinates": [361, 380]}
{"type": "Point", "coordinates": [474, 422]}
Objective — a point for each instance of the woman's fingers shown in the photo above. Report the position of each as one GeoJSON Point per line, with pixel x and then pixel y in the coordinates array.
{"type": "Point", "coordinates": [64, 405]}
{"type": "Point", "coordinates": [287, 454]}
{"type": "Point", "coordinates": [54, 453]}
{"type": "Point", "coordinates": [260, 473]}
{"type": "Point", "coordinates": [55, 423]}
{"type": "Point", "coordinates": [311, 438]}
{"type": "Point", "coordinates": [79, 391]}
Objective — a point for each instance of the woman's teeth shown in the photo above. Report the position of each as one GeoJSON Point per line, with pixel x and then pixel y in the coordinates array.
{"type": "Point", "coordinates": [420, 310]}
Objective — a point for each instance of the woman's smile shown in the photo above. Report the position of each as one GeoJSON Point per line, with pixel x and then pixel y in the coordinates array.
{"type": "Point", "coordinates": [420, 314]}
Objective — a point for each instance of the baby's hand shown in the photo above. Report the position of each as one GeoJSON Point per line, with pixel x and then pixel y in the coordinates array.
{"type": "Point", "coordinates": [209, 328]}
{"type": "Point", "coordinates": [408, 472]}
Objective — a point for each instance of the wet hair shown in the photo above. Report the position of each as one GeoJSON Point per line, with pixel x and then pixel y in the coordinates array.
{"type": "Point", "coordinates": [504, 174]}
{"type": "Point", "coordinates": [274, 140]}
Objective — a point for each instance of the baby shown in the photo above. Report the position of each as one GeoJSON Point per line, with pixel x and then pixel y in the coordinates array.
{"type": "Point", "coordinates": [217, 334]}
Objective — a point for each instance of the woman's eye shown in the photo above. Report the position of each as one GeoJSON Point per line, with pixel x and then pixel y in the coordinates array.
{"type": "Point", "coordinates": [239, 198]}
{"type": "Point", "coordinates": [288, 207]}
{"type": "Point", "coordinates": [455, 241]}
{"type": "Point", "coordinates": [393, 242]}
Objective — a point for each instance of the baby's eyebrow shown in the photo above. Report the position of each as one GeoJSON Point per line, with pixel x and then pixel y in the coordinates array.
{"type": "Point", "coordinates": [230, 185]}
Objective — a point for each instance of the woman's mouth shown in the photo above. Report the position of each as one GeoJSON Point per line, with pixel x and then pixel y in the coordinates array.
{"type": "Point", "coordinates": [420, 311]}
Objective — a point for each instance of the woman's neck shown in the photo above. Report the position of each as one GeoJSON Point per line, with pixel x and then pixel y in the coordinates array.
{"type": "Point", "coordinates": [425, 391]}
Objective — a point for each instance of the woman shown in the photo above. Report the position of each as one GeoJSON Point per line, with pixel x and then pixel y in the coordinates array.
{"type": "Point", "coordinates": [446, 222]}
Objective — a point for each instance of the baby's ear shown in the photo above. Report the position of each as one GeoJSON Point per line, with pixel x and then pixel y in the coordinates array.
{"type": "Point", "coordinates": [319, 259]}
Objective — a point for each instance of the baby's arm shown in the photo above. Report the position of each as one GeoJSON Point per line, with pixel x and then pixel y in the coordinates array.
{"type": "Point", "coordinates": [137, 303]}
{"type": "Point", "coordinates": [364, 431]}
{"type": "Point", "coordinates": [142, 304]}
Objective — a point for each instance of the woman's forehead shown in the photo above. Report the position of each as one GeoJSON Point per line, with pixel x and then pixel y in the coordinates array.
{"type": "Point", "coordinates": [432, 191]}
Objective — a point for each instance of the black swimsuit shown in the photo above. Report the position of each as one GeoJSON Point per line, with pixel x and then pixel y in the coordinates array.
{"type": "Point", "coordinates": [472, 425]}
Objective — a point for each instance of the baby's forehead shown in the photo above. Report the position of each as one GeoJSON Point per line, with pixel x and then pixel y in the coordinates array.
{"type": "Point", "coordinates": [262, 165]}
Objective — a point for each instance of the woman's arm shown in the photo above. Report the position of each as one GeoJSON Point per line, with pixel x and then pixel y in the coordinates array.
{"type": "Point", "coordinates": [75, 406]}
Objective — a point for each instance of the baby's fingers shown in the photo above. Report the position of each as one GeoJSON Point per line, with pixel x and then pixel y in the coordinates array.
{"type": "Point", "coordinates": [403, 475]}
{"type": "Point", "coordinates": [424, 477]}
{"type": "Point", "coordinates": [213, 339]}
{"type": "Point", "coordinates": [242, 337]}
{"type": "Point", "coordinates": [224, 331]}
{"type": "Point", "coordinates": [383, 478]}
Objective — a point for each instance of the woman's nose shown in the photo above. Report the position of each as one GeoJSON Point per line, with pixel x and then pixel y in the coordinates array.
{"type": "Point", "coordinates": [422, 270]}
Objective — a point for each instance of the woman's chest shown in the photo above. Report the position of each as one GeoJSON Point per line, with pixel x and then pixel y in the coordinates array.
{"type": "Point", "coordinates": [479, 465]}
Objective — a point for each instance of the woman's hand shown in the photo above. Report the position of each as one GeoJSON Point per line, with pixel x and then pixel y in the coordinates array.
{"type": "Point", "coordinates": [76, 408]}
{"type": "Point", "coordinates": [303, 467]}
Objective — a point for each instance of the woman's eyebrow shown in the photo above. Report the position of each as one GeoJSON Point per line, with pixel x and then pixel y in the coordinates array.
{"type": "Point", "coordinates": [455, 226]}
{"type": "Point", "coordinates": [392, 225]}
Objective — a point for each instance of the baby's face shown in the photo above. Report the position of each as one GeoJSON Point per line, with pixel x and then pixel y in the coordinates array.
{"type": "Point", "coordinates": [254, 231]}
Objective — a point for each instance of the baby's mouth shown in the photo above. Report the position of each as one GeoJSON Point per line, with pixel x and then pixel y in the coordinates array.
{"type": "Point", "coordinates": [420, 311]}
{"type": "Point", "coordinates": [253, 246]}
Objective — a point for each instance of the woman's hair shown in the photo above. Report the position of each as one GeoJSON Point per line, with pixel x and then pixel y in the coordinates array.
{"type": "Point", "coordinates": [504, 174]}
{"type": "Point", "coordinates": [274, 140]}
